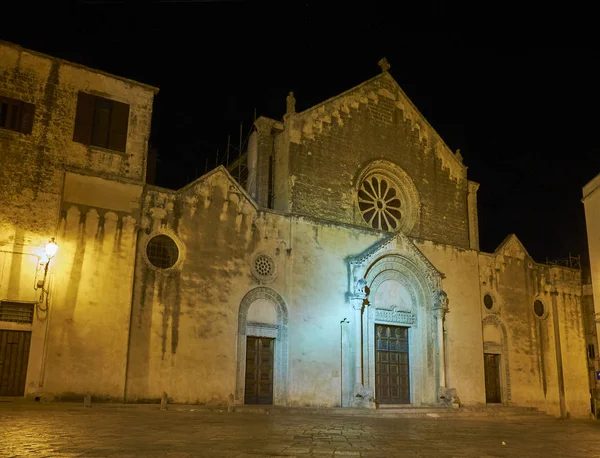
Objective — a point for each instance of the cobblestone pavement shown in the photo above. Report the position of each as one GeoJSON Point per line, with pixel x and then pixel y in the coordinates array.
{"type": "Point", "coordinates": [66, 431]}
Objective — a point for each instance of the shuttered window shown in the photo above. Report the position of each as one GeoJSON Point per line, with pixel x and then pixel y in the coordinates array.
{"type": "Point", "coordinates": [16, 115]}
{"type": "Point", "coordinates": [101, 122]}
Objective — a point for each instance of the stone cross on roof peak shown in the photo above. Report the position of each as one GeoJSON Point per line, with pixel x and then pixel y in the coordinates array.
{"type": "Point", "coordinates": [384, 64]}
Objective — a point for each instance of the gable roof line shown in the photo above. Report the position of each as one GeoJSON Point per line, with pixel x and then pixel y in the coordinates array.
{"type": "Point", "coordinates": [342, 94]}
{"type": "Point", "coordinates": [124, 79]}
{"type": "Point", "coordinates": [220, 168]}
{"type": "Point", "coordinates": [506, 240]}
{"type": "Point", "coordinates": [439, 137]}
{"type": "Point", "coordinates": [413, 106]}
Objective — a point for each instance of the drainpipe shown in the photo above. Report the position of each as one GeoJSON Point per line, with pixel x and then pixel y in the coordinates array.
{"type": "Point", "coordinates": [559, 364]}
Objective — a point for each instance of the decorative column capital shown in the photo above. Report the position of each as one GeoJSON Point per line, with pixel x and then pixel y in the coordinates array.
{"type": "Point", "coordinates": [440, 305]}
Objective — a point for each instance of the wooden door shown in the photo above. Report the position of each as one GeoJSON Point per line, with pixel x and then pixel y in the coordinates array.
{"type": "Point", "coordinates": [492, 378]}
{"type": "Point", "coordinates": [259, 370]}
{"type": "Point", "coordinates": [14, 356]}
{"type": "Point", "coordinates": [392, 376]}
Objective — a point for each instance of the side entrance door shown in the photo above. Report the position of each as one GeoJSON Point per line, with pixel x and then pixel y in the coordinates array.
{"type": "Point", "coordinates": [392, 376]}
{"type": "Point", "coordinates": [14, 356]}
{"type": "Point", "coordinates": [259, 370]}
{"type": "Point", "coordinates": [492, 378]}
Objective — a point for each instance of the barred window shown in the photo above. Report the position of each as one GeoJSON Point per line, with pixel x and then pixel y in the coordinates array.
{"type": "Point", "coordinates": [162, 251]}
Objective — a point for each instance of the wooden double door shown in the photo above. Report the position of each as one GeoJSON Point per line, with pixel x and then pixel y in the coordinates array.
{"type": "Point", "coordinates": [259, 370]}
{"type": "Point", "coordinates": [392, 374]}
{"type": "Point", "coordinates": [14, 357]}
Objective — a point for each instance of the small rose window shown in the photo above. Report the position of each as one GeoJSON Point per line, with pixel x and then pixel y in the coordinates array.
{"type": "Point", "coordinates": [379, 203]}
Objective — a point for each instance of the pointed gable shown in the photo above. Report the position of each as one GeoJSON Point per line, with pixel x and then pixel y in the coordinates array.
{"type": "Point", "coordinates": [512, 247]}
{"type": "Point", "coordinates": [397, 243]}
{"type": "Point", "coordinates": [330, 111]}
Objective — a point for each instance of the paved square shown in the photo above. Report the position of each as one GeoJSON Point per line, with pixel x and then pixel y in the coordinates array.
{"type": "Point", "coordinates": [35, 430]}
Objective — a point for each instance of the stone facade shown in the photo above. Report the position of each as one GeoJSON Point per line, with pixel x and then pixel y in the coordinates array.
{"type": "Point", "coordinates": [591, 291]}
{"type": "Point", "coordinates": [355, 234]}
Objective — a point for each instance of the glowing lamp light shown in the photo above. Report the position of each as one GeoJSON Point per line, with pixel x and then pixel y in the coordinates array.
{"type": "Point", "coordinates": [51, 248]}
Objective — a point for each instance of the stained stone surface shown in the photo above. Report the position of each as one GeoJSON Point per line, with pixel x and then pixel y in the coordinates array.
{"type": "Point", "coordinates": [63, 430]}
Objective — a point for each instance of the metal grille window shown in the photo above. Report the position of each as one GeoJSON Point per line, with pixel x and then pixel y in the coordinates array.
{"type": "Point", "coordinates": [162, 251]}
{"type": "Point", "coordinates": [16, 312]}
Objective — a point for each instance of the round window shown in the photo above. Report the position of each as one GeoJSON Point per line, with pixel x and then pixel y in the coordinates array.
{"type": "Point", "coordinates": [162, 251]}
{"type": "Point", "coordinates": [538, 308]}
{"type": "Point", "coordinates": [488, 301]}
{"type": "Point", "coordinates": [379, 203]}
{"type": "Point", "coordinates": [264, 265]}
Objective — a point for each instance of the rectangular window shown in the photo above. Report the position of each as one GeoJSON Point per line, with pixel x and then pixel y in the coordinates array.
{"type": "Point", "coordinates": [591, 352]}
{"type": "Point", "coordinates": [101, 122]}
{"type": "Point", "coordinates": [16, 115]}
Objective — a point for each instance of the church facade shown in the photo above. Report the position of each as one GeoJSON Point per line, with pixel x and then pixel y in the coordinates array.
{"type": "Point", "coordinates": [344, 271]}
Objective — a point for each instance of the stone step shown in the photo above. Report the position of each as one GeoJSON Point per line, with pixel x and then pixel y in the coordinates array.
{"type": "Point", "coordinates": [399, 412]}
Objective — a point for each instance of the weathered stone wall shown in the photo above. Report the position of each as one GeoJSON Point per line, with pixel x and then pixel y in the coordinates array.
{"type": "Point", "coordinates": [330, 144]}
{"type": "Point", "coordinates": [79, 342]}
{"type": "Point", "coordinates": [464, 357]}
{"type": "Point", "coordinates": [515, 281]}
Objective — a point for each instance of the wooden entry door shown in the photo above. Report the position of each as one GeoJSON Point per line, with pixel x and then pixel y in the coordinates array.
{"type": "Point", "coordinates": [492, 378]}
{"type": "Point", "coordinates": [14, 356]}
{"type": "Point", "coordinates": [259, 370]}
{"type": "Point", "coordinates": [392, 376]}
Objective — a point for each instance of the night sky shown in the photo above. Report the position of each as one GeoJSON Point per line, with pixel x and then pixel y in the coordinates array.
{"type": "Point", "coordinates": [516, 90]}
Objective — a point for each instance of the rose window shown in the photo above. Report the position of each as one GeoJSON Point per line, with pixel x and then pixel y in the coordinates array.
{"type": "Point", "coordinates": [263, 265]}
{"type": "Point", "coordinates": [379, 203]}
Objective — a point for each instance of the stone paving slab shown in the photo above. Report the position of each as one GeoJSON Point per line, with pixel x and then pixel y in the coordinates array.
{"type": "Point", "coordinates": [55, 430]}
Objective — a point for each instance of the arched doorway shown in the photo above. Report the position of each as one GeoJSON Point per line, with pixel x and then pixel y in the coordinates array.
{"type": "Point", "coordinates": [495, 355]}
{"type": "Point", "coordinates": [399, 309]}
{"type": "Point", "coordinates": [262, 348]}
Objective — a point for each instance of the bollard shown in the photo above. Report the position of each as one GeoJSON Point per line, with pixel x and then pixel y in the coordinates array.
{"type": "Point", "coordinates": [87, 400]}
{"type": "Point", "coordinates": [163, 401]}
{"type": "Point", "coordinates": [230, 402]}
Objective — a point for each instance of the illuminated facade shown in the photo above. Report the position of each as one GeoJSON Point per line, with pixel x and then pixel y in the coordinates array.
{"type": "Point", "coordinates": [344, 269]}
{"type": "Point", "coordinates": [591, 291]}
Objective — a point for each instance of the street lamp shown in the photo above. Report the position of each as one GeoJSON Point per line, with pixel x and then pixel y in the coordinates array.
{"type": "Point", "coordinates": [51, 249]}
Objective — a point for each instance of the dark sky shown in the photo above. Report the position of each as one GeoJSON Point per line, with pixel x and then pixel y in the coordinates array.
{"type": "Point", "coordinates": [516, 90]}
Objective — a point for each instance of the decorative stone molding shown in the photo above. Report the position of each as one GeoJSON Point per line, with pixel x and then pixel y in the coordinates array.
{"type": "Point", "coordinates": [440, 306]}
{"type": "Point", "coordinates": [264, 267]}
{"type": "Point", "coordinates": [396, 317]}
{"type": "Point", "coordinates": [279, 332]}
{"type": "Point", "coordinates": [495, 321]}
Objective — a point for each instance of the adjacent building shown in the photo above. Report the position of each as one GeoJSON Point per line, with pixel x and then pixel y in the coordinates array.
{"type": "Point", "coordinates": [343, 270]}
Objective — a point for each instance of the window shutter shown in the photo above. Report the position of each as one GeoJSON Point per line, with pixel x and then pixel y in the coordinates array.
{"type": "Point", "coordinates": [28, 111]}
{"type": "Point", "coordinates": [84, 119]}
{"type": "Point", "coordinates": [118, 126]}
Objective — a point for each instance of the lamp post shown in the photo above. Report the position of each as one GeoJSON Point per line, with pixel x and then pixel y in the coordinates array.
{"type": "Point", "coordinates": [51, 249]}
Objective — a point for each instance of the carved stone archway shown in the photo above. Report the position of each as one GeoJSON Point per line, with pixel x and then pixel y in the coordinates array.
{"type": "Point", "coordinates": [277, 331]}
{"type": "Point", "coordinates": [397, 259]}
{"type": "Point", "coordinates": [502, 349]}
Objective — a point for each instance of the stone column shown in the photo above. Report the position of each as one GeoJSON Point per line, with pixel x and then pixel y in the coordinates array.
{"type": "Point", "coordinates": [472, 213]}
{"type": "Point", "coordinates": [357, 304]}
{"type": "Point", "coordinates": [440, 310]}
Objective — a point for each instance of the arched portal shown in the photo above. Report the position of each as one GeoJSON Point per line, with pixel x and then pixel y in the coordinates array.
{"type": "Point", "coordinates": [495, 353]}
{"type": "Point", "coordinates": [401, 348]}
{"type": "Point", "coordinates": [263, 321]}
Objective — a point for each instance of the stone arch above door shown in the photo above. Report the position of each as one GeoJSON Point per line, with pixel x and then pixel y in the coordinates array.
{"type": "Point", "coordinates": [491, 345]}
{"type": "Point", "coordinates": [278, 331]}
